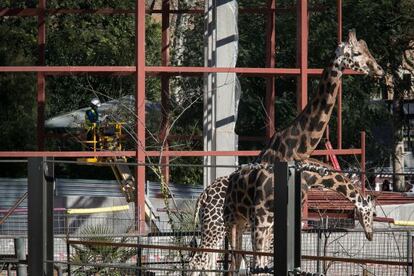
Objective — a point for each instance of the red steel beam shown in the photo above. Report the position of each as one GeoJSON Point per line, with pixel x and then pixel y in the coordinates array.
{"type": "Point", "coordinates": [68, 69]}
{"type": "Point", "coordinates": [111, 11]}
{"type": "Point", "coordinates": [239, 70]}
{"type": "Point", "coordinates": [199, 153]}
{"type": "Point", "coordinates": [337, 152]}
{"type": "Point", "coordinates": [339, 113]}
{"type": "Point", "coordinates": [41, 81]}
{"type": "Point", "coordinates": [158, 70]}
{"type": "Point", "coordinates": [363, 161]}
{"type": "Point", "coordinates": [302, 53]}
{"type": "Point", "coordinates": [314, 71]}
{"type": "Point", "coordinates": [165, 86]}
{"type": "Point", "coordinates": [270, 63]}
{"type": "Point", "coordinates": [140, 111]}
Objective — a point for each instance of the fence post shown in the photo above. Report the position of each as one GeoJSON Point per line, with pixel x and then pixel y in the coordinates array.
{"type": "Point", "coordinates": [49, 186]}
{"type": "Point", "coordinates": [285, 230]}
{"type": "Point", "coordinates": [297, 213]}
{"type": "Point", "coordinates": [281, 176]}
{"type": "Point", "coordinates": [226, 256]}
{"type": "Point", "coordinates": [410, 257]}
{"type": "Point", "coordinates": [20, 251]}
{"type": "Point", "coordinates": [318, 249]}
{"type": "Point", "coordinates": [40, 238]}
{"type": "Point", "coordinates": [139, 255]}
{"type": "Point", "coordinates": [67, 244]}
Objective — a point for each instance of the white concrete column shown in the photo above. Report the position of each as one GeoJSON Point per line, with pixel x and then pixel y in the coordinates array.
{"type": "Point", "coordinates": [221, 90]}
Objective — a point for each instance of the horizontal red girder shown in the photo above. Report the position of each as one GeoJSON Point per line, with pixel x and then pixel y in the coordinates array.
{"type": "Point", "coordinates": [156, 70]}
{"type": "Point", "coordinates": [21, 154]}
{"type": "Point", "coordinates": [111, 11]}
{"type": "Point", "coordinates": [338, 152]}
{"type": "Point", "coordinates": [4, 154]}
{"type": "Point", "coordinates": [68, 69]}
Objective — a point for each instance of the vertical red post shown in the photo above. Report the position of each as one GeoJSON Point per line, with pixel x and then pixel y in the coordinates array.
{"type": "Point", "coordinates": [165, 86]}
{"type": "Point", "coordinates": [363, 175]}
{"type": "Point", "coordinates": [302, 60]}
{"type": "Point", "coordinates": [41, 81]}
{"type": "Point", "coordinates": [339, 118]}
{"type": "Point", "coordinates": [302, 53]}
{"type": "Point", "coordinates": [339, 3]}
{"type": "Point", "coordinates": [270, 62]}
{"type": "Point", "coordinates": [140, 110]}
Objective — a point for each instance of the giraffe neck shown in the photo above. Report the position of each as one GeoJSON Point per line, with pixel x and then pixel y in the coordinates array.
{"type": "Point", "coordinates": [297, 141]}
{"type": "Point", "coordinates": [338, 183]}
{"type": "Point", "coordinates": [331, 180]}
{"type": "Point", "coordinates": [344, 187]}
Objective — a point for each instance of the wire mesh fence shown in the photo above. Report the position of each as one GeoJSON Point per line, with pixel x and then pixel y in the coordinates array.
{"type": "Point", "coordinates": [165, 247]}
{"type": "Point", "coordinates": [330, 251]}
{"type": "Point", "coordinates": [388, 254]}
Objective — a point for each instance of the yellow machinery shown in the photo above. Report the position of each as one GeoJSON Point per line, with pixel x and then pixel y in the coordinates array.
{"type": "Point", "coordinates": [103, 138]}
{"type": "Point", "coordinates": [108, 137]}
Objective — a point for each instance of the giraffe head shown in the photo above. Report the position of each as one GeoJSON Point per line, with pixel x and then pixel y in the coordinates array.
{"type": "Point", "coordinates": [358, 57]}
{"type": "Point", "coordinates": [365, 210]}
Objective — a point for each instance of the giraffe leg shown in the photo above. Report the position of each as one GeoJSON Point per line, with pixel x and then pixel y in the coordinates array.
{"type": "Point", "coordinates": [260, 240]}
{"type": "Point", "coordinates": [235, 236]}
{"type": "Point", "coordinates": [210, 238]}
{"type": "Point", "coordinates": [239, 245]}
{"type": "Point", "coordinates": [269, 261]}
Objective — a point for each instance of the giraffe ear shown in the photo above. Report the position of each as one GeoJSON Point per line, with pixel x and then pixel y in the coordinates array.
{"type": "Point", "coordinates": [352, 37]}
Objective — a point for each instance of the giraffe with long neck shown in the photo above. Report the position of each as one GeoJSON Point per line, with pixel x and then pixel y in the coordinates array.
{"type": "Point", "coordinates": [325, 176]}
{"type": "Point", "coordinates": [297, 141]}
{"type": "Point", "coordinates": [301, 137]}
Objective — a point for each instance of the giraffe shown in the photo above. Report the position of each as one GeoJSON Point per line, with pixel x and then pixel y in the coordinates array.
{"type": "Point", "coordinates": [210, 206]}
{"type": "Point", "coordinates": [255, 208]}
{"type": "Point", "coordinates": [300, 138]}
{"type": "Point", "coordinates": [297, 141]}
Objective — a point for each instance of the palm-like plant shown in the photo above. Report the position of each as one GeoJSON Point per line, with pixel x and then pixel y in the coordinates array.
{"type": "Point", "coordinates": [100, 254]}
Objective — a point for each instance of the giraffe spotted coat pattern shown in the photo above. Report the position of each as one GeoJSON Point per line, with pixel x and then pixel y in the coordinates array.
{"type": "Point", "coordinates": [210, 206]}
{"type": "Point", "coordinates": [255, 208]}
{"type": "Point", "coordinates": [298, 140]}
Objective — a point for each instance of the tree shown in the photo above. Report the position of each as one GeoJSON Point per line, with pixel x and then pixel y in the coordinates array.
{"type": "Point", "coordinates": [71, 40]}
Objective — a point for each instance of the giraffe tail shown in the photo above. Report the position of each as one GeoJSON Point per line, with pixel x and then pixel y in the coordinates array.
{"type": "Point", "coordinates": [200, 200]}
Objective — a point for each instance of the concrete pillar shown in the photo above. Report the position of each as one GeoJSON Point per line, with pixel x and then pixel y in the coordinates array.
{"type": "Point", "coordinates": [221, 90]}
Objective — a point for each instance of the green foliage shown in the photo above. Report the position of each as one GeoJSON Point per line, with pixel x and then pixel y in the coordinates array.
{"type": "Point", "coordinates": [100, 254]}
{"type": "Point", "coordinates": [83, 39]}
{"type": "Point", "coordinates": [17, 91]}
{"type": "Point", "coordinates": [71, 40]}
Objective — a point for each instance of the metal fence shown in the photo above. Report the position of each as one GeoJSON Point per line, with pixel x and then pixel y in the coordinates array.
{"type": "Point", "coordinates": [326, 251]}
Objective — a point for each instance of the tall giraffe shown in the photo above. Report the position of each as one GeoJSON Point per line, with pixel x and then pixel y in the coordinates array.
{"type": "Point", "coordinates": [297, 141]}
{"type": "Point", "coordinates": [210, 206]}
{"type": "Point", "coordinates": [300, 138]}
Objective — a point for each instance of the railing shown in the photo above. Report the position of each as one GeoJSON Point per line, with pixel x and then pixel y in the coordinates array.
{"type": "Point", "coordinates": [328, 251]}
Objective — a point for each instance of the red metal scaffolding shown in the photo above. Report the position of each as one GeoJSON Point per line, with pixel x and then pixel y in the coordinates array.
{"type": "Point", "coordinates": [141, 71]}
